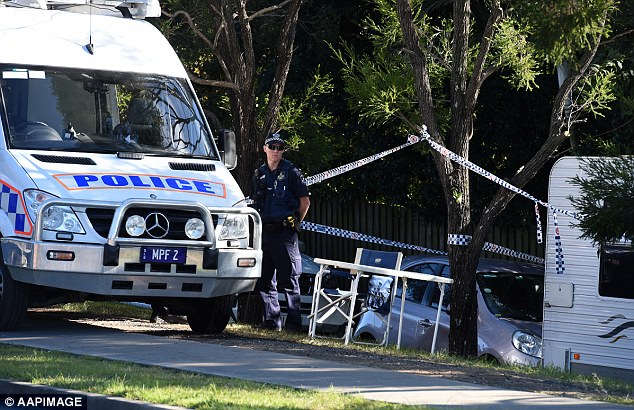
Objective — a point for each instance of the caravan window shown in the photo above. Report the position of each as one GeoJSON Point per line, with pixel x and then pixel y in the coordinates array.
{"type": "Point", "coordinates": [616, 274]}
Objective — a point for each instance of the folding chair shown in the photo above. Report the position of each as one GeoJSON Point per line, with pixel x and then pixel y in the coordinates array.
{"type": "Point", "coordinates": [331, 306]}
{"type": "Point", "coordinates": [341, 303]}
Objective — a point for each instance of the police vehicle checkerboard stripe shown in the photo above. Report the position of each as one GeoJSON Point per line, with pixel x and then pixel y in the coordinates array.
{"type": "Point", "coordinates": [11, 202]}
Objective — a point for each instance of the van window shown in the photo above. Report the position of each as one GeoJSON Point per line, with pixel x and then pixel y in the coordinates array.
{"type": "Point", "coordinates": [616, 272]}
{"type": "Point", "coordinates": [63, 109]}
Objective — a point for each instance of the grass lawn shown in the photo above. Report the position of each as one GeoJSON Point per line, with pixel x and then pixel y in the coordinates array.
{"type": "Point", "coordinates": [191, 390]}
{"type": "Point", "coordinates": [164, 386]}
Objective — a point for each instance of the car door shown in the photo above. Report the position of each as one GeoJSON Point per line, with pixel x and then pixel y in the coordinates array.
{"type": "Point", "coordinates": [414, 297]}
{"type": "Point", "coordinates": [419, 316]}
{"type": "Point", "coordinates": [427, 320]}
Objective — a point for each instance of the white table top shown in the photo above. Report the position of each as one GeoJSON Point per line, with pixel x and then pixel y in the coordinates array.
{"type": "Point", "coordinates": [384, 271]}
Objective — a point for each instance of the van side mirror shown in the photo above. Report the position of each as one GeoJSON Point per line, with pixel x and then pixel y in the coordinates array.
{"type": "Point", "coordinates": [227, 147]}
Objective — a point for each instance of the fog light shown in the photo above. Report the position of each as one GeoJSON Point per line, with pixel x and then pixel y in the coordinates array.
{"type": "Point", "coordinates": [135, 225]}
{"type": "Point", "coordinates": [246, 262]}
{"type": "Point", "coordinates": [194, 228]}
{"type": "Point", "coordinates": [64, 236]}
{"type": "Point", "coordinates": [60, 255]}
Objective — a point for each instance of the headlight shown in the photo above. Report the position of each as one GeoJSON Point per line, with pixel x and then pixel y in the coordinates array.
{"type": "Point", "coordinates": [527, 343]}
{"type": "Point", "coordinates": [234, 227]}
{"type": "Point", "coordinates": [55, 218]}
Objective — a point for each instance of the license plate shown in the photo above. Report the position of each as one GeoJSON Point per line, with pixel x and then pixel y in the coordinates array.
{"type": "Point", "coordinates": [159, 254]}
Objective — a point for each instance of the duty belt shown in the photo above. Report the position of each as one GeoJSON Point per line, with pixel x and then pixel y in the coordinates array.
{"type": "Point", "coordinates": [273, 227]}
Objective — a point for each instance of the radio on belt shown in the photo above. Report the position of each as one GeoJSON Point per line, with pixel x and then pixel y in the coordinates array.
{"type": "Point", "coordinates": [111, 185]}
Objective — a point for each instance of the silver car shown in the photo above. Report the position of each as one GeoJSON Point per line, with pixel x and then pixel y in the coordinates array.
{"type": "Point", "coordinates": [510, 310]}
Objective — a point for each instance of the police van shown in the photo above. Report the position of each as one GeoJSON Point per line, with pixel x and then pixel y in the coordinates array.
{"type": "Point", "coordinates": [113, 187]}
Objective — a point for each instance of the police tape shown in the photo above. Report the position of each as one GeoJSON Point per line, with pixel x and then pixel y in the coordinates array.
{"type": "Point", "coordinates": [481, 171]}
{"type": "Point", "coordinates": [491, 247]}
{"type": "Point", "coordinates": [311, 226]}
{"type": "Point", "coordinates": [413, 139]}
{"type": "Point", "coordinates": [359, 163]}
{"type": "Point", "coordinates": [464, 239]}
{"type": "Point", "coordinates": [559, 266]}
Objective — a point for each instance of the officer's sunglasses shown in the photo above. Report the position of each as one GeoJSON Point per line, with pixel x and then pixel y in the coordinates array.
{"type": "Point", "coordinates": [276, 147]}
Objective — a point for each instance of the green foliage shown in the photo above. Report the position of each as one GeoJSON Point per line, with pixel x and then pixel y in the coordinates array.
{"type": "Point", "coordinates": [596, 91]}
{"type": "Point", "coordinates": [513, 52]}
{"type": "Point", "coordinates": [381, 85]}
{"type": "Point", "coordinates": [606, 196]}
{"type": "Point", "coordinates": [611, 134]}
{"type": "Point", "coordinates": [560, 28]}
{"type": "Point", "coordinates": [309, 123]}
{"type": "Point", "coordinates": [298, 114]}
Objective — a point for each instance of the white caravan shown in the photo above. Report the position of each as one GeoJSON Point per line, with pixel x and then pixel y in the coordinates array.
{"type": "Point", "coordinates": [113, 187]}
{"type": "Point", "coordinates": [589, 308]}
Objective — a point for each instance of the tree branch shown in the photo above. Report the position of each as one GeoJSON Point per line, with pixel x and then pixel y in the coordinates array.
{"type": "Point", "coordinates": [284, 57]}
{"type": "Point", "coordinates": [212, 83]}
{"type": "Point", "coordinates": [247, 38]}
{"type": "Point", "coordinates": [555, 138]}
{"type": "Point", "coordinates": [203, 37]}
{"type": "Point", "coordinates": [268, 9]}
{"type": "Point", "coordinates": [479, 72]}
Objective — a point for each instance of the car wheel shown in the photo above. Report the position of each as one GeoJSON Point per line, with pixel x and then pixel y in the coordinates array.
{"type": "Point", "coordinates": [13, 300]}
{"type": "Point", "coordinates": [212, 316]}
{"type": "Point", "coordinates": [489, 359]}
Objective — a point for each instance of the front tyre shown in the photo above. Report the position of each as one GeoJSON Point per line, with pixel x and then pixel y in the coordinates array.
{"type": "Point", "coordinates": [211, 316]}
{"type": "Point", "coordinates": [13, 300]}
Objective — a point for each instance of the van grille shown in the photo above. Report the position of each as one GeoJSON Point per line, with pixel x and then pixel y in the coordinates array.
{"type": "Point", "coordinates": [101, 219]}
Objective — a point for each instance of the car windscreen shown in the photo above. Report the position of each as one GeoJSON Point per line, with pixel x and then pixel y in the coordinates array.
{"type": "Point", "coordinates": [513, 295]}
{"type": "Point", "coordinates": [62, 109]}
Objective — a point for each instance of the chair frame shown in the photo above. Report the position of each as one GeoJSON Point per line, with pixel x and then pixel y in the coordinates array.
{"type": "Point", "coordinates": [404, 275]}
{"type": "Point", "coordinates": [351, 296]}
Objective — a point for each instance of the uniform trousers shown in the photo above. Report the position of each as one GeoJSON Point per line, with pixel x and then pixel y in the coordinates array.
{"type": "Point", "coordinates": [281, 268]}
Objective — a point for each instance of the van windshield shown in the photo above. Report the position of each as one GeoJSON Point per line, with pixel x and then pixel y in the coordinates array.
{"type": "Point", "coordinates": [513, 295]}
{"type": "Point", "coordinates": [62, 109]}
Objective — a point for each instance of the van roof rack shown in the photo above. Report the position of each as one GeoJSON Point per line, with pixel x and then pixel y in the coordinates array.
{"type": "Point", "coordinates": [137, 9]}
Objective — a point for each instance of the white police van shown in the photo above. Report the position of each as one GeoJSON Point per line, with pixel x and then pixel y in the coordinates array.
{"type": "Point", "coordinates": [112, 187]}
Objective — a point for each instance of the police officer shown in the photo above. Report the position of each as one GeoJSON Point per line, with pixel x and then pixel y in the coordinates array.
{"type": "Point", "coordinates": [282, 199]}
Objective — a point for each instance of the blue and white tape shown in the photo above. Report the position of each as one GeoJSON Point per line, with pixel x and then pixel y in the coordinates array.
{"type": "Point", "coordinates": [453, 239]}
{"type": "Point", "coordinates": [310, 226]}
{"type": "Point", "coordinates": [412, 139]}
{"type": "Point", "coordinates": [539, 224]}
{"type": "Point", "coordinates": [473, 167]}
{"type": "Point", "coordinates": [478, 170]}
{"type": "Point", "coordinates": [457, 239]}
{"type": "Point", "coordinates": [491, 247]}
{"type": "Point", "coordinates": [559, 253]}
